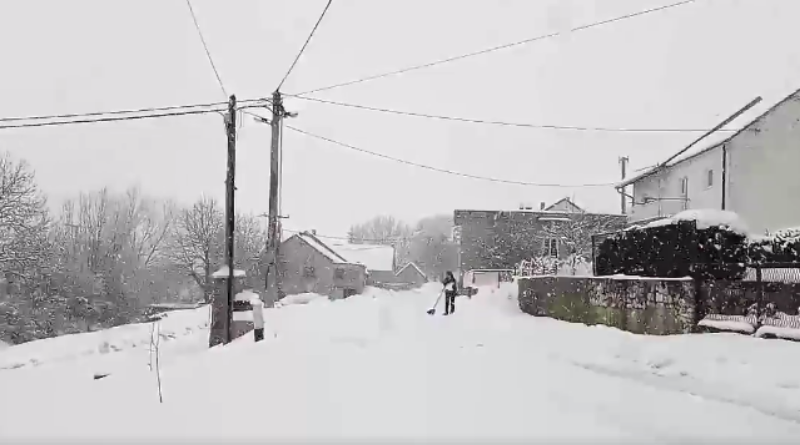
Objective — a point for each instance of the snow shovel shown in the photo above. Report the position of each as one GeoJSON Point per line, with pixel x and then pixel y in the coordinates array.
{"type": "Point", "coordinates": [432, 310]}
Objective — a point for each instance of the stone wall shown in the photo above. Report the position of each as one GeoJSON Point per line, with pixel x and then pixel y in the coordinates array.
{"type": "Point", "coordinates": [638, 305]}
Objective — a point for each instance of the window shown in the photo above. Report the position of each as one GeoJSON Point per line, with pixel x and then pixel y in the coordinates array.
{"type": "Point", "coordinates": [309, 272]}
{"type": "Point", "coordinates": [684, 186]}
{"type": "Point", "coordinates": [709, 178]}
{"type": "Point", "coordinates": [550, 247]}
{"type": "Point", "coordinates": [685, 192]}
{"type": "Point", "coordinates": [338, 274]}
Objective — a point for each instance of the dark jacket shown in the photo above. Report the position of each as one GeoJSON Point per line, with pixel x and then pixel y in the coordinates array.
{"type": "Point", "coordinates": [447, 288]}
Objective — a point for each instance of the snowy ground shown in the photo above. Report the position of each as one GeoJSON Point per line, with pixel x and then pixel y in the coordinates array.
{"type": "Point", "coordinates": [376, 367]}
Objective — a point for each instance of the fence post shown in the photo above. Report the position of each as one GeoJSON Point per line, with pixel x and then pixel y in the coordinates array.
{"type": "Point", "coordinates": [760, 289]}
{"type": "Point", "coordinates": [700, 309]}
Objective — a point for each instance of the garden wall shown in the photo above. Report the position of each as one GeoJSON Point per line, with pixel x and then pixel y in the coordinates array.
{"type": "Point", "coordinates": [658, 306]}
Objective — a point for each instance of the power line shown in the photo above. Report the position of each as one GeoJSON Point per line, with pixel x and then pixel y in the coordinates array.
{"type": "Point", "coordinates": [205, 46]}
{"type": "Point", "coordinates": [303, 48]}
{"type": "Point", "coordinates": [449, 172]}
{"type": "Point", "coordinates": [497, 48]}
{"type": "Point", "coordinates": [249, 103]}
{"type": "Point", "coordinates": [345, 238]}
{"type": "Point", "coordinates": [110, 119]}
{"type": "Point", "coordinates": [118, 112]}
{"type": "Point", "coordinates": [506, 124]}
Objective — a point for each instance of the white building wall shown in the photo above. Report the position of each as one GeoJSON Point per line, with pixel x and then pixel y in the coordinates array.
{"type": "Point", "coordinates": [764, 171]}
{"type": "Point", "coordinates": [665, 191]}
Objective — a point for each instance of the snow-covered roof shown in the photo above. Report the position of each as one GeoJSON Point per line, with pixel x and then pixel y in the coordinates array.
{"type": "Point", "coordinates": [716, 139]}
{"type": "Point", "coordinates": [705, 218]}
{"type": "Point", "coordinates": [246, 295]}
{"type": "Point", "coordinates": [540, 212]}
{"type": "Point", "coordinates": [372, 256]}
{"type": "Point", "coordinates": [413, 265]}
{"type": "Point", "coordinates": [223, 273]}
{"type": "Point", "coordinates": [321, 247]}
{"type": "Point", "coordinates": [565, 205]}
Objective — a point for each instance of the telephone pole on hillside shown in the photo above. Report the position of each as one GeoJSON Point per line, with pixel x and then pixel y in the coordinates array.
{"type": "Point", "coordinates": [230, 213]}
{"type": "Point", "coordinates": [623, 163]}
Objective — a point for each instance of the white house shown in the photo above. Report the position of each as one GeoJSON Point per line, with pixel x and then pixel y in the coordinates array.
{"type": "Point", "coordinates": [754, 172]}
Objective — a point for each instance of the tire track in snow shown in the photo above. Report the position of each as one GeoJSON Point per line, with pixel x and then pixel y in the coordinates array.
{"type": "Point", "coordinates": [663, 384]}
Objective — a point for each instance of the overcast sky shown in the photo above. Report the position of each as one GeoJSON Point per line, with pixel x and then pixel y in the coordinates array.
{"type": "Point", "coordinates": [685, 67]}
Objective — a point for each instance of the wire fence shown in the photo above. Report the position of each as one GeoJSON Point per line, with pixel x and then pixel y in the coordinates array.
{"type": "Point", "coordinates": [766, 289]}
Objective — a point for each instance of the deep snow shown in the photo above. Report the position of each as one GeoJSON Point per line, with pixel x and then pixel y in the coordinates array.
{"type": "Point", "coordinates": [376, 367]}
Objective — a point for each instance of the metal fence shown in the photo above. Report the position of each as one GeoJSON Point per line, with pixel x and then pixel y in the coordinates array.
{"type": "Point", "coordinates": [537, 267]}
{"type": "Point", "coordinates": [766, 288]}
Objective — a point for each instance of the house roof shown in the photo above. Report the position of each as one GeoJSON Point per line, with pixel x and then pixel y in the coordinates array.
{"type": "Point", "coordinates": [320, 247]}
{"type": "Point", "coordinates": [566, 204]}
{"type": "Point", "coordinates": [372, 256]}
{"type": "Point", "coordinates": [717, 139]}
{"type": "Point", "coordinates": [534, 213]}
{"type": "Point", "coordinates": [412, 265]}
{"type": "Point", "coordinates": [562, 207]}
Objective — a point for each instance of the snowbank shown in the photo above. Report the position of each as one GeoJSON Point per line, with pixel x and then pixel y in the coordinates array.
{"type": "Point", "coordinates": [706, 218]}
{"type": "Point", "coordinates": [740, 326]}
{"type": "Point", "coordinates": [174, 325]}
{"type": "Point", "coordinates": [300, 299]}
{"type": "Point", "coordinates": [377, 367]}
{"type": "Point", "coordinates": [223, 273]}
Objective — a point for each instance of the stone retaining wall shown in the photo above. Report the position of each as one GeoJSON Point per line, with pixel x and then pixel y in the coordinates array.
{"type": "Point", "coordinates": [634, 304]}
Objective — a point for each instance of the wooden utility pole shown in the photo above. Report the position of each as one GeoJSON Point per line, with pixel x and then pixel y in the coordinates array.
{"type": "Point", "coordinates": [230, 214]}
{"type": "Point", "coordinates": [273, 234]}
{"type": "Point", "coordinates": [623, 163]}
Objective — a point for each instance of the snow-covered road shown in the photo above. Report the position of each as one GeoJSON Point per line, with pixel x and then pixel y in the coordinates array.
{"type": "Point", "coordinates": [376, 367]}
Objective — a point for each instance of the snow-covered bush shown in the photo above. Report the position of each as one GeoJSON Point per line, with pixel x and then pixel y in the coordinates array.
{"type": "Point", "coordinates": [697, 243]}
{"type": "Point", "coordinates": [781, 247]}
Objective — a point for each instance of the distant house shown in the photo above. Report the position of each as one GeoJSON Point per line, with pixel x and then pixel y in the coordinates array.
{"type": "Point", "coordinates": [378, 259]}
{"type": "Point", "coordinates": [497, 240]}
{"type": "Point", "coordinates": [411, 274]}
{"type": "Point", "coordinates": [751, 172]}
{"type": "Point", "coordinates": [309, 265]}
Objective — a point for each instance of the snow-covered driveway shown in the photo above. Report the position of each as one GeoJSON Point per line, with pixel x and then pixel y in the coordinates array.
{"type": "Point", "coordinates": [376, 367]}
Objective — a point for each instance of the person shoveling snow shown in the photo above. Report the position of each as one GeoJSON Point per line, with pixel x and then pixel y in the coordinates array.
{"type": "Point", "coordinates": [450, 292]}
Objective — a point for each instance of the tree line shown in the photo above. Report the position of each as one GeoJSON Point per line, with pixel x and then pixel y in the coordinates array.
{"type": "Point", "coordinates": [104, 257]}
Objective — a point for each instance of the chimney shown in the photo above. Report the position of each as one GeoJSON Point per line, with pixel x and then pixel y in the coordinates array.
{"type": "Point", "coordinates": [541, 205]}
{"type": "Point", "coordinates": [314, 232]}
{"type": "Point", "coordinates": [521, 206]}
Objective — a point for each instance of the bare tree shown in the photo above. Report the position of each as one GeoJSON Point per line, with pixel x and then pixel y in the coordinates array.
{"type": "Point", "coordinates": [26, 310]}
{"type": "Point", "coordinates": [574, 233]}
{"type": "Point", "coordinates": [430, 246]}
{"type": "Point", "coordinates": [146, 226]}
{"type": "Point", "coordinates": [196, 244]}
{"type": "Point", "coordinates": [250, 240]}
{"type": "Point", "coordinates": [108, 247]}
{"type": "Point", "coordinates": [379, 230]}
{"type": "Point", "coordinates": [24, 222]}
